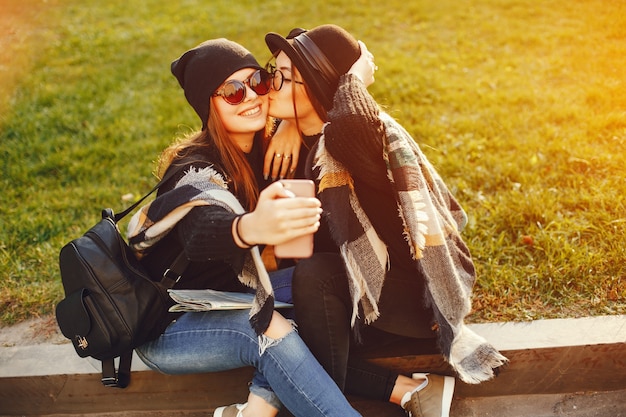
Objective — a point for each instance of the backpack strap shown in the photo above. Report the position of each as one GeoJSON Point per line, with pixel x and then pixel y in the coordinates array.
{"type": "Point", "coordinates": [119, 378]}
{"type": "Point", "coordinates": [168, 175]}
{"type": "Point", "coordinates": [174, 273]}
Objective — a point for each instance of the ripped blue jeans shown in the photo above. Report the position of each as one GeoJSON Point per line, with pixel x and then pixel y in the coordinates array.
{"type": "Point", "coordinates": [286, 372]}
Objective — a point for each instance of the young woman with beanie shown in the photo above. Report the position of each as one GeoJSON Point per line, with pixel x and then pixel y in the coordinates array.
{"type": "Point", "coordinates": [219, 210]}
{"type": "Point", "coordinates": [390, 264]}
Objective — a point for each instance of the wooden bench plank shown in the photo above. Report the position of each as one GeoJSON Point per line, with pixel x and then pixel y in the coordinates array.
{"type": "Point", "coordinates": [531, 371]}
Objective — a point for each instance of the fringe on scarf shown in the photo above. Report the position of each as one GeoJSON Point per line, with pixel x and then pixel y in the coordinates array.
{"type": "Point", "coordinates": [473, 358]}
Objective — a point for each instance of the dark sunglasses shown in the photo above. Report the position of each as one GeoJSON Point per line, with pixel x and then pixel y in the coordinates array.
{"type": "Point", "coordinates": [234, 91]}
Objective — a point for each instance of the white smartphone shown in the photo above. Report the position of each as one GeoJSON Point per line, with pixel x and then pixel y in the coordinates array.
{"type": "Point", "coordinates": [300, 247]}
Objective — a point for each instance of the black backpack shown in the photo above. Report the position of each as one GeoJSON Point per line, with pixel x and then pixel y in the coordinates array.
{"type": "Point", "coordinates": [111, 304]}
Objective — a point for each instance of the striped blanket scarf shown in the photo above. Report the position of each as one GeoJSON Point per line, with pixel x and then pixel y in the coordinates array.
{"type": "Point", "coordinates": [432, 220]}
{"type": "Point", "coordinates": [202, 187]}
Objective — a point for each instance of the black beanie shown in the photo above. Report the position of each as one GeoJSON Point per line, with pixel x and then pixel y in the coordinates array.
{"type": "Point", "coordinates": [201, 70]}
{"type": "Point", "coordinates": [321, 54]}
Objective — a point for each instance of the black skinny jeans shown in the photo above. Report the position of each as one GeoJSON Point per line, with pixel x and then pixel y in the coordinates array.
{"type": "Point", "coordinates": [323, 310]}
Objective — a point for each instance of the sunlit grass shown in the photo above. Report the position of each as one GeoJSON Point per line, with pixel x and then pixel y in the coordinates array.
{"type": "Point", "coordinates": [521, 105]}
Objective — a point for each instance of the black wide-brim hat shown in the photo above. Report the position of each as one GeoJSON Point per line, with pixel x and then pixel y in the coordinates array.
{"type": "Point", "coordinates": [321, 55]}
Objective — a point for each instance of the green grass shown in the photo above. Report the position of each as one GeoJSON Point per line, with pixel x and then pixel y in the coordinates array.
{"type": "Point", "coordinates": [521, 104]}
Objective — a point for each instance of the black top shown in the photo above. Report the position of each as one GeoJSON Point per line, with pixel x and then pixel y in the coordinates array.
{"type": "Point", "coordinates": [205, 236]}
{"type": "Point", "coordinates": [354, 136]}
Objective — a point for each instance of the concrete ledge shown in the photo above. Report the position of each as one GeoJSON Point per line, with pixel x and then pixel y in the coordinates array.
{"type": "Point", "coordinates": [547, 357]}
{"type": "Point", "coordinates": [50, 359]}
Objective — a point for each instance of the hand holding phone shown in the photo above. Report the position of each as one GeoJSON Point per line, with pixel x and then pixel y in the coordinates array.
{"type": "Point", "coordinates": [302, 246]}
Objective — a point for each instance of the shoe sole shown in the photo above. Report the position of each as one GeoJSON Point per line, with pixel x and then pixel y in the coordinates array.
{"type": "Point", "coordinates": [448, 393]}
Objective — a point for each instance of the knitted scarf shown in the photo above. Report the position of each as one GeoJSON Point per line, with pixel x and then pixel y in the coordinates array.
{"type": "Point", "coordinates": [201, 187]}
{"type": "Point", "coordinates": [432, 219]}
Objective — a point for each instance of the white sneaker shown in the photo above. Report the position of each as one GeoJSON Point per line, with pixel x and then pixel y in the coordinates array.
{"type": "Point", "coordinates": [233, 410]}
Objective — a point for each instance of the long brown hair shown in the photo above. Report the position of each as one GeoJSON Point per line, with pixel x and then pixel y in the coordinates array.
{"type": "Point", "coordinates": [234, 164]}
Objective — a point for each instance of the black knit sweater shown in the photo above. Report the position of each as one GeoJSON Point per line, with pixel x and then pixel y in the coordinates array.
{"type": "Point", "coordinates": [354, 136]}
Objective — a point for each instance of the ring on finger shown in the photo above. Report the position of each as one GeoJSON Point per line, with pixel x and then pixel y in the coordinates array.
{"type": "Point", "coordinates": [278, 155]}
{"type": "Point", "coordinates": [287, 156]}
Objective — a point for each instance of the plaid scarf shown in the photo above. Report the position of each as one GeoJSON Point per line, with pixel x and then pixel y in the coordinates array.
{"type": "Point", "coordinates": [432, 219]}
{"type": "Point", "coordinates": [202, 187]}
